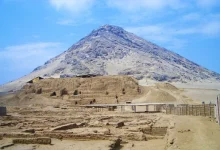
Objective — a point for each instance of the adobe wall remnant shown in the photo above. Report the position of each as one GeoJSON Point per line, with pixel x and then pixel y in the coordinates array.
{"type": "Point", "coordinates": [32, 141]}
{"type": "Point", "coordinates": [66, 127]}
{"type": "Point", "coordinates": [3, 111]}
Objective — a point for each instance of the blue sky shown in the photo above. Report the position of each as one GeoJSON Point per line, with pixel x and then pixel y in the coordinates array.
{"type": "Point", "coordinates": [33, 31]}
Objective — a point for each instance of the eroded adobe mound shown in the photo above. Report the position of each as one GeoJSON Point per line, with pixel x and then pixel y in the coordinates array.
{"type": "Point", "coordinates": [102, 89]}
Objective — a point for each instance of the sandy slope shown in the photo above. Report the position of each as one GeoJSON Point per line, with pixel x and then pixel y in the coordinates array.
{"type": "Point", "coordinates": [200, 92]}
{"type": "Point", "coordinates": [199, 133]}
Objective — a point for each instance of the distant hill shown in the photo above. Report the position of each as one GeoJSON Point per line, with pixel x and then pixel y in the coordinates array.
{"type": "Point", "coordinates": [110, 50]}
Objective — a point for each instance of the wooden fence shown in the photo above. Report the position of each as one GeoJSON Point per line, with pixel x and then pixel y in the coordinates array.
{"type": "Point", "coordinates": [194, 110]}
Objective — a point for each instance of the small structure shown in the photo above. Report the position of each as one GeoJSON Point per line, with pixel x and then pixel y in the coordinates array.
{"type": "Point", "coordinates": [151, 107]}
{"type": "Point", "coordinates": [132, 107]}
{"type": "Point", "coordinates": [3, 111]}
{"type": "Point", "coordinates": [35, 80]}
{"type": "Point", "coordinates": [67, 76]}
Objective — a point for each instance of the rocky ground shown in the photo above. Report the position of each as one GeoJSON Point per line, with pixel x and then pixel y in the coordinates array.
{"type": "Point", "coordinates": [38, 119]}
{"type": "Point", "coordinates": [80, 128]}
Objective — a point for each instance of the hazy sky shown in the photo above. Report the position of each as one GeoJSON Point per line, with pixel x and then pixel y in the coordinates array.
{"type": "Point", "coordinates": [33, 31]}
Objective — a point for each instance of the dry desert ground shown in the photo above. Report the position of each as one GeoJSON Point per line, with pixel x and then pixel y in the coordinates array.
{"type": "Point", "coordinates": [48, 115]}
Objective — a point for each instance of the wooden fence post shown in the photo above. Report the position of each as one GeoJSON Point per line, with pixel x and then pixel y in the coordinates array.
{"type": "Point", "coordinates": [186, 109]}
{"type": "Point", "coordinates": [217, 110]}
{"type": "Point", "coordinates": [196, 110]}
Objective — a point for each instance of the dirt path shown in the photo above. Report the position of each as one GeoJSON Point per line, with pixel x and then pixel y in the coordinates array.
{"type": "Point", "coordinates": [158, 144]}
{"type": "Point", "coordinates": [197, 133]}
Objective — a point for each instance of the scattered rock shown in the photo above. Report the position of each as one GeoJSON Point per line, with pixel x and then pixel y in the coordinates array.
{"type": "Point", "coordinates": [172, 125]}
{"type": "Point", "coordinates": [95, 131]}
{"type": "Point", "coordinates": [108, 132]}
{"type": "Point", "coordinates": [183, 131]}
{"type": "Point", "coordinates": [120, 124]}
{"type": "Point", "coordinates": [172, 141]}
{"type": "Point", "coordinates": [56, 106]}
{"type": "Point", "coordinates": [115, 144]}
{"type": "Point", "coordinates": [105, 118]}
{"type": "Point", "coordinates": [107, 124]}
{"type": "Point", "coordinates": [29, 131]}
{"type": "Point", "coordinates": [53, 94]}
{"type": "Point", "coordinates": [83, 124]}
{"type": "Point", "coordinates": [19, 125]}
{"type": "Point", "coordinates": [6, 145]}
{"type": "Point", "coordinates": [63, 108]}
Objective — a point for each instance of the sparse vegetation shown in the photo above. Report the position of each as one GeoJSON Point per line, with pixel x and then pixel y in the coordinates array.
{"type": "Point", "coordinates": [106, 93]}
